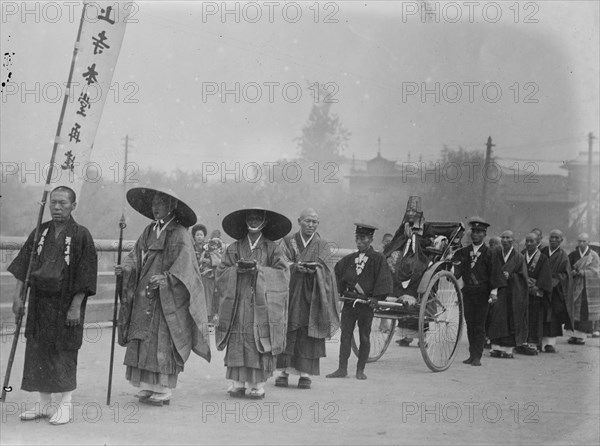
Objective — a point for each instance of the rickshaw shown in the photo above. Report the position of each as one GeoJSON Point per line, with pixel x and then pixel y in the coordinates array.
{"type": "Point", "coordinates": [437, 309]}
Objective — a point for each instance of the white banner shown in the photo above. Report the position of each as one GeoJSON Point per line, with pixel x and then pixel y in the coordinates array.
{"type": "Point", "coordinates": [99, 44]}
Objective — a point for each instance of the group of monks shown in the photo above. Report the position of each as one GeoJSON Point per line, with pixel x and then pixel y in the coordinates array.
{"type": "Point", "coordinates": [547, 290]}
{"type": "Point", "coordinates": [278, 297]}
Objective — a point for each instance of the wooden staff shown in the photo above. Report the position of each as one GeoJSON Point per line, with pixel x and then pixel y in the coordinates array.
{"type": "Point", "coordinates": [118, 286]}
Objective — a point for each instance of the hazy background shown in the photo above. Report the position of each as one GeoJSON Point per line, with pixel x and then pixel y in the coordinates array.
{"type": "Point", "coordinates": [367, 55]}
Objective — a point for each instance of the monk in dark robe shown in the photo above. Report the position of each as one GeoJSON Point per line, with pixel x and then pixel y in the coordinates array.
{"type": "Point", "coordinates": [63, 276]}
{"type": "Point", "coordinates": [163, 312]}
{"type": "Point", "coordinates": [508, 323]}
{"type": "Point", "coordinates": [539, 284]}
{"type": "Point", "coordinates": [560, 309]}
{"type": "Point", "coordinates": [586, 290]}
{"type": "Point", "coordinates": [253, 282]}
{"type": "Point", "coordinates": [313, 309]}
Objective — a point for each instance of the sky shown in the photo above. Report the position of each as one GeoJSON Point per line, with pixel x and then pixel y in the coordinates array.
{"type": "Point", "coordinates": [525, 73]}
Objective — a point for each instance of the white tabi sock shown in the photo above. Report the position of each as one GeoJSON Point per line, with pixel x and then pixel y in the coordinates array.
{"type": "Point", "coordinates": [235, 385]}
{"type": "Point", "coordinates": [548, 341]}
{"type": "Point", "coordinates": [66, 397]}
{"type": "Point", "coordinates": [46, 404]}
{"type": "Point", "coordinates": [64, 412]}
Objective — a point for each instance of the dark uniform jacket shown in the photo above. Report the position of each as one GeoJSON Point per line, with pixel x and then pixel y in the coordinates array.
{"type": "Point", "coordinates": [375, 278]}
{"type": "Point", "coordinates": [486, 273]}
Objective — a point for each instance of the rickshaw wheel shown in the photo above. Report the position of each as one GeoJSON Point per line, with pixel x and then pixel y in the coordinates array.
{"type": "Point", "coordinates": [440, 321]}
{"type": "Point", "coordinates": [382, 333]}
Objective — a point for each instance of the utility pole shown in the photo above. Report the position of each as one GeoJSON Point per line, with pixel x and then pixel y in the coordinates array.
{"type": "Point", "coordinates": [589, 183]}
{"type": "Point", "coordinates": [126, 156]}
{"type": "Point", "coordinates": [488, 155]}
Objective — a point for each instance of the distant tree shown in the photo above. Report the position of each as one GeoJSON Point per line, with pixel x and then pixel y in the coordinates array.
{"type": "Point", "coordinates": [453, 188]}
{"type": "Point", "coordinates": [324, 136]}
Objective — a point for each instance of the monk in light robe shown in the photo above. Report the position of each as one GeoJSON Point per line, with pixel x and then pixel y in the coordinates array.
{"type": "Point", "coordinates": [586, 290]}
{"type": "Point", "coordinates": [163, 308]}
{"type": "Point", "coordinates": [253, 282]}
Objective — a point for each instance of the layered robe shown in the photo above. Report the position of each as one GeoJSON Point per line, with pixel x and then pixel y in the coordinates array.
{"type": "Point", "coordinates": [560, 309]}
{"type": "Point", "coordinates": [253, 313]}
{"type": "Point", "coordinates": [313, 305]}
{"type": "Point", "coordinates": [161, 327]}
{"type": "Point", "coordinates": [508, 323]}
{"type": "Point", "coordinates": [408, 262]}
{"type": "Point", "coordinates": [586, 289]}
{"type": "Point", "coordinates": [540, 291]}
{"type": "Point", "coordinates": [62, 267]}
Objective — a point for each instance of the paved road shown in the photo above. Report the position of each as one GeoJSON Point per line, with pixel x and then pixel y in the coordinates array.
{"type": "Point", "coordinates": [548, 399]}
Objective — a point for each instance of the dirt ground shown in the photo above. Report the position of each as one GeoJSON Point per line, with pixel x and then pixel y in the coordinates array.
{"type": "Point", "coordinates": [547, 399]}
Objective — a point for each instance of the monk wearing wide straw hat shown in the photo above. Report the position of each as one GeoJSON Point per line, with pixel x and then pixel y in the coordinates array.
{"type": "Point", "coordinates": [163, 311]}
{"type": "Point", "coordinates": [252, 280]}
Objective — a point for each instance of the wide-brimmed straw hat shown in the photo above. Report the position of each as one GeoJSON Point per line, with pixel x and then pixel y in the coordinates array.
{"type": "Point", "coordinates": [277, 225]}
{"type": "Point", "coordinates": [140, 199]}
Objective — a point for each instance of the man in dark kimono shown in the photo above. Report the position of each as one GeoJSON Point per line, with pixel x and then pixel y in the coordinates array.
{"type": "Point", "coordinates": [63, 276]}
{"type": "Point", "coordinates": [163, 309]}
{"type": "Point", "coordinates": [480, 269]}
{"type": "Point", "coordinates": [539, 283]}
{"type": "Point", "coordinates": [560, 309]}
{"type": "Point", "coordinates": [586, 290]}
{"type": "Point", "coordinates": [408, 262]}
{"type": "Point", "coordinates": [508, 323]}
{"type": "Point", "coordinates": [365, 275]}
{"type": "Point", "coordinates": [253, 282]}
{"type": "Point", "coordinates": [313, 311]}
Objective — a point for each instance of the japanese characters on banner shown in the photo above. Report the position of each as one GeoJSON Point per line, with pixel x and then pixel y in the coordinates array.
{"type": "Point", "coordinates": [99, 44]}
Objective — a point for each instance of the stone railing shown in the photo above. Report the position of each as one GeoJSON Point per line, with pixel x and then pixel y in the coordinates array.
{"type": "Point", "coordinates": [100, 307]}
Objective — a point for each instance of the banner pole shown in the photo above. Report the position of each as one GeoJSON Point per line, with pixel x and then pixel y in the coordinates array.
{"type": "Point", "coordinates": [47, 188]}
